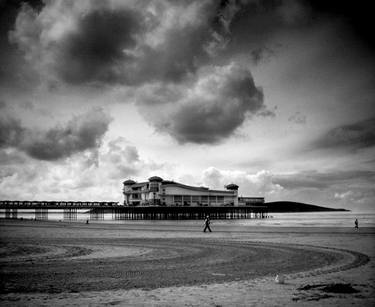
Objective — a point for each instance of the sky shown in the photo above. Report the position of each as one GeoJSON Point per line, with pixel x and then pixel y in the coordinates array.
{"type": "Point", "coordinates": [276, 96]}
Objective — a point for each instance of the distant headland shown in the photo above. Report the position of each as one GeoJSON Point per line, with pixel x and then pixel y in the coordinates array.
{"type": "Point", "coordinates": [290, 206]}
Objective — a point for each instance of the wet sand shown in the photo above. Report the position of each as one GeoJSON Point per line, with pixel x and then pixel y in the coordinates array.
{"type": "Point", "coordinates": [174, 263]}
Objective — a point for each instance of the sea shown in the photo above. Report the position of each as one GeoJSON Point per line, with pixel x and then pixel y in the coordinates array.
{"type": "Point", "coordinates": [306, 219]}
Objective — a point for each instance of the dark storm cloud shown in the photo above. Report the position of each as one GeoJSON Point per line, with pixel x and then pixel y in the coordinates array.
{"type": "Point", "coordinates": [118, 43]}
{"type": "Point", "coordinates": [11, 131]}
{"type": "Point", "coordinates": [319, 180]}
{"type": "Point", "coordinates": [199, 124]}
{"type": "Point", "coordinates": [215, 107]}
{"type": "Point", "coordinates": [82, 133]}
{"type": "Point", "coordinates": [124, 43]}
{"type": "Point", "coordinates": [95, 50]}
{"type": "Point", "coordinates": [355, 136]}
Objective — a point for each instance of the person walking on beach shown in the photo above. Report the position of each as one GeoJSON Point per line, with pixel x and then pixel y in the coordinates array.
{"type": "Point", "coordinates": [356, 224]}
{"type": "Point", "coordinates": [207, 224]}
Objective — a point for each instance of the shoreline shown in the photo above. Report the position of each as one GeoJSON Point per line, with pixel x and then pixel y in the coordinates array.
{"type": "Point", "coordinates": [340, 255]}
{"type": "Point", "coordinates": [187, 225]}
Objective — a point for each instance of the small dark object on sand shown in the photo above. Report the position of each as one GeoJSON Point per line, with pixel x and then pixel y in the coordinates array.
{"type": "Point", "coordinates": [87, 221]}
{"type": "Point", "coordinates": [331, 288]}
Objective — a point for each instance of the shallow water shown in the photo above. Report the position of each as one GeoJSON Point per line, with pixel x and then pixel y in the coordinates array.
{"type": "Point", "coordinates": [316, 219]}
{"type": "Point", "coordinates": [308, 219]}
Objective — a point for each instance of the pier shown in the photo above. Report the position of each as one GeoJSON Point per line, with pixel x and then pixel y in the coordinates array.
{"type": "Point", "coordinates": [97, 211]}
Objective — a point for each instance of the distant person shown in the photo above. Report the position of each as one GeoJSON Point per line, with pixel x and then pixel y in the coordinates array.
{"type": "Point", "coordinates": [356, 224]}
{"type": "Point", "coordinates": [87, 221]}
{"type": "Point", "coordinates": [207, 224]}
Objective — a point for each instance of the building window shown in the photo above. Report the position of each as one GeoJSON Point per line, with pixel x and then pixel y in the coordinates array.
{"type": "Point", "coordinates": [154, 187]}
{"type": "Point", "coordinates": [178, 198]}
{"type": "Point", "coordinates": [220, 199]}
{"type": "Point", "coordinates": [213, 198]}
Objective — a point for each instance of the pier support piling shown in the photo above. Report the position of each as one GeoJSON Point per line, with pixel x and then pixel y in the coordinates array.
{"type": "Point", "coordinates": [41, 214]}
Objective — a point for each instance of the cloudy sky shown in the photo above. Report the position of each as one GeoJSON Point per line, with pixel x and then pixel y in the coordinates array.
{"type": "Point", "coordinates": [276, 96]}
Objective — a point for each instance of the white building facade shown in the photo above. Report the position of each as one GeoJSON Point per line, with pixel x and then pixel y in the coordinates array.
{"type": "Point", "coordinates": [159, 192]}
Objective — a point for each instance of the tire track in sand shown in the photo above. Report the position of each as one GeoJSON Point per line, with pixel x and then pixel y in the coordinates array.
{"type": "Point", "coordinates": [170, 262]}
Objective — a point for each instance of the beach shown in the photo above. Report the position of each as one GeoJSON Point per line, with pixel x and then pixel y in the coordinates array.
{"type": "Point", "coordinates": [174, 263]}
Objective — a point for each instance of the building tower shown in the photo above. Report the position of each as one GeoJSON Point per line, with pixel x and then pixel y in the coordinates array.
{"type": "Point", "coordinates": [154, 190]}
{"type": "Point", "coordinates": [126, 190]}
{"type": "Point", "coordinates": [233, 187]}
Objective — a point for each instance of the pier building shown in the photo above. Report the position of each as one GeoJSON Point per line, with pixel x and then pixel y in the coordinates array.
{"type": "Point", "coordinates": [159, 192]}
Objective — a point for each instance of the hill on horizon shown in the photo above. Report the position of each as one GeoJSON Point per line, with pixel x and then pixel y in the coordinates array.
{"type": "Point", "coordinates": [290, 206]}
